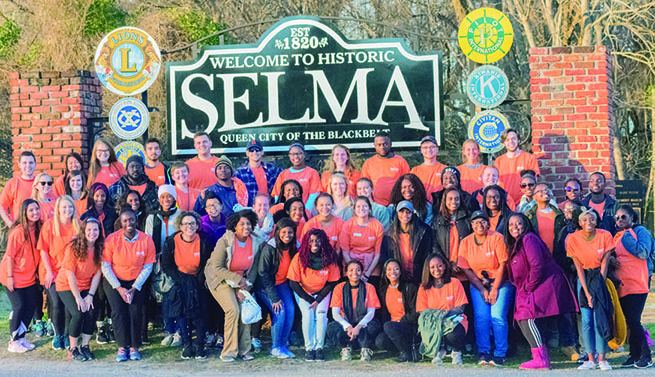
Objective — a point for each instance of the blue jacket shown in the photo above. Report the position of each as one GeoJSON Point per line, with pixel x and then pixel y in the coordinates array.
{"type": "Point", "coordinates": [245, 174]}
{"type": "Point", "coordinates": [608, 222]}
{"type": "Point", "coordinates": [641, 247]}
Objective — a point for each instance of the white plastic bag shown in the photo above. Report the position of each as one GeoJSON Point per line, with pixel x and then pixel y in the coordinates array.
{"type": "Point", "coordinates": [250, 310]}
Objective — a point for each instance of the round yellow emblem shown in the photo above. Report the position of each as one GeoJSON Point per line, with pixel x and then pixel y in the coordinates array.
{"type": "Point", "coordinates": [485, 35]}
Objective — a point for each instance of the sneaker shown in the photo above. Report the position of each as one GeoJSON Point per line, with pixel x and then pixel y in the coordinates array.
{"type": "Point", "coordinates": [134, 354]}
{"type": "Point", "coordinates": [570, 353]}
{"type": "Point", "coordinates": [346, 354]}
{"type": "Point", "coordinates": [210, 340]}
{"type": "Point", "coordinates": [644, 362]}
{"type": "Point", "coordinates": [168, 339]}
{"type": "Point", "coordinates": [310, 355]}
{"type": "Point", "coordinates": [227, 359]}
{"type": "Point", "coordinates": [497, 361]}
{"type": "Point", "coordinates": [468, 351]}
{"type": "Point", "coordinates": [201, 353]}
{"type": "Point", "coordinates": [177, 340]}
{"type": "Point", "coordinates": [438, 358]}
{"type": "Point", "coordinates": [187, 352]}
{"type": "Point", "coordinates": [319, 354]}
{"type": "Point", "coordinates": [101, 336]}
{"type": "Point", "coordinates": [144, 337]}
{"type": "Point", "coordinates": [630, 363]}
{"type": "Point", "coordinates": [278, 353]}
{"type": "Point", "coordinates": [604, 365]}
{"type": "Point", "coordinates": [50, 328]}
{"type": "Point", "coordinates": [86, 352]}
{"type": "Point", "coordinates": [588, 365]}
{"type": "Point", "coordinates": [122, 355]}
{"type": "Point", "coordinates": [58, 342]}
{"type": "Point", "coordinates": [110, 334]}
{"type": "Point", "coordinates": [457, 358]}
{"type": "Point", "coordinates": [39, 329]}
{"type": "Point", "coordinates": [256, 345]}
{"type": "Point", "coordinates": [582, 357]}
{"type": "Point", "coordinates": [219, 341]}
{"type": "Point", "coordinates": [67, 341]}
{"type": "Point", "coordinates": [247, 356]}
{"type": "Point", "coordinates": [366, 354]}
{"type": "Point", "coordinates": [23, 341]}
{"type": "Point", "coordinates": [16, 347]}
{"type": "Point", "coordinates": [484, 359]}
{"type": "Point", "coordinates": [74, 354]}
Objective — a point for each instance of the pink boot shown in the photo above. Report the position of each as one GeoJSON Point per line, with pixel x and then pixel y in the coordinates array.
{"type": "Point", "coordinates": [539, 360]}
{"type": "Point", "coordinates": [543, 351]}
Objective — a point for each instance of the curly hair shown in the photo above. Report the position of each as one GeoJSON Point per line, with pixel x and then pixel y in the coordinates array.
{"type": "Point", "coordinates": [80, 245]}
{"type": "Point", "coordinates": [419, 200]}
{"type": "Point", "coordinates": [282, 198]}
{"type": "Point", "coordinates": [234, 219]}
{"type": "Point", "coordinates": [122, 202]}
{"type": "Point", "coordinates": [328, 255]}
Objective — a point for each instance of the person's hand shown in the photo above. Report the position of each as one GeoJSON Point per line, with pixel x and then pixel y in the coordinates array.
{"type": "Point", "coordinates": [354, 332]}
{"type": "Point", "coordinates": [243, 284]}
{"type": "Point", "coordinates": [49, 279]}
{"type": "Point", "coordinates": [455, 268]}
{"type": "Point", "coordinates": [240, 297]}
{"type": "Point", "coordinates": [81, 305]}
{"type": "Point", "coordinates": [123, 292]}
{"type": "Point", "coordinates": [88, 300]}
{"type": "Point", "coordinates": [493, 295]}
{"type": "Point", "coordinates": [278, 307]}
{"type": "Point", "coordinates": [10, 284]}
{"type": "Point", "coordinates": [485, 295]}
{"type": "Point", "coordinates": [130, 294]}
{"type": "Point", "coordinates": [349, 331]}
{"type": "Point", "coordinates": [589, 300]}
{"type": "Point", "coordinates": [313, 305]}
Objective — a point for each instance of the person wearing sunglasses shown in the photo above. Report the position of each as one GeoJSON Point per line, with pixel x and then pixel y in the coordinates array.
{"type": "Point", "coordinates": [528, 183]}
{"type": "Point", "coordinates": [634, 252]}
{"type": "Point", "coordinates": [573, 192]}
{"type": "Point", "coordinates": [603, 203]}
{"type": "Point", "coordinates": [42, 192]}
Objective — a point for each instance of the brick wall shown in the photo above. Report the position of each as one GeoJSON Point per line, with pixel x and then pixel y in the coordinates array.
{"type": "Point", "coordinates": [572, 118]}
{"type": "Point", "coordinates": [49, 112]}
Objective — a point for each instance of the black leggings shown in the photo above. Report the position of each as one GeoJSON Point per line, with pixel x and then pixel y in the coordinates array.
{"type": "Point", "coordinates": [365, 338]}
{"type": "Point", "coordinates": [101, 304]}
{"type": "Point", "coordinates": [633, 306]}
{"type": "Point", "coordinates": [22, 301]}
{"type": "Point", "coordinates": [80, 323]}
{"type": "Point", "coordinates": [126, 318]}
{"type": "Point", "coordinates": [57, 312]}
{"type": "Point", "coordinates": [397, 336]}
{"type": "Point", "coordinates": [38, 306]}
{"type": "Point", "coordinates": [531, 332]}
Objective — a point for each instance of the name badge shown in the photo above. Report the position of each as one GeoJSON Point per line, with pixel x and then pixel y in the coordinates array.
{"type": "Point", "coordinates": [370, 238]}
{"type": "Point", "coordinates": [449, 298]}
{"type": "Point", "coordinates": [249, 257]}
{"type": "Point", "coordinates": [140, 253]}
{"type": "Point", "coordinates": [333, 238]}
{"type": "Point", "coordinates": [357, 234]}
{"type": "Point", "coordinates": [400, 299]}
{"type": "Point", "coordinates": [323, 272]}
{"type": "Point", "coordinates": [393, 169]}
{"type": "Point", "coordinates": [600, 251]}
{"type": "Point", "coordinates": [196, 254]}
{"type": "Point", "coordinates": [303, 180]}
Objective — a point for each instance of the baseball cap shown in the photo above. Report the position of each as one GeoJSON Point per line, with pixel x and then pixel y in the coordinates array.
{"type": "Point", "coordinates": [254, 145]}
{"type": "Point", "coordinates": [405, 204]}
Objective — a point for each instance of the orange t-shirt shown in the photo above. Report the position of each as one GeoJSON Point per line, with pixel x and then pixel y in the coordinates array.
{"type": "Point", "coordinates": [25, 257]}
{"type": "Point", "coordinates": [47, 210]}
{"type": "Point", "coordinates": [312, 281]}
{"type": "Point", "coordinates": [394, 302]}
{"type": "Point", "coordinates": [589, 253]}
{"type": "Point", "coordinates": [186, 200]}
{"type": "Point", "coordinates": [55, 245]}
{"type": "Point", "coordinates": [546, 224]}
{"type": "Point", "coordinates": [307, 177]}
{"type": "Point", "coordinates": [283, 269]}
{"type": "Point", "coordinates": [493, 222]}
{"type": "Point", "coordinates": [449, 296]}
{"type": "Point", "coordinates": [600, 207]}
{"type": "Point", "coordinates": [454, 243]}
{"type": "Point", "coordinates": [84, 271]}
{"type": "Point", "coordinates": [260, 178]}
{"type": "Point", "coordinates": [471, 178]}
{"type": "Point", "coordinates": [361, 239]}
{"type": "Point", "coordinates": [384, 172]}
{"type": "Point", "coordinates": [59, 187]}
{"type": "Point", "coordinates": [486, 257]}
{"type": "Point", "coordinates": [430, 175]}
{"type": "Point", "coordinates": [187, 255]}
{"type": "Point", "coordinates": [80, 206]}
{"type": "Point", "coordinates": [509, 169]}
{"type": "Point", "coordinates": [128, 258]}
{"type": "Point", "coordinates": [351, 175]}
{"type": "Point", "coordinates": [242, 257]}
{"type": "Point", "coordinates": [15, 192]}
{"type": "Point", "coordinates": [140, 188]}
{"type": "Point", "coordinates": [406, 254]}
{"type": "Point", "coordinates": [157, 173]}
{"type": "Point", "coordinates": [633, 272]}
{"type": "Point", "coordinates": [333, 231]}
{"type": "Point", "coordinates": [371, 300]}
{"type": "Point", "coordinates": [201, 172]}
{"type": "Point", "coordinates": [110, 174]}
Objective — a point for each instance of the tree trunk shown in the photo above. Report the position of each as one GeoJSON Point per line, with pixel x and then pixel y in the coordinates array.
{"type": "Point", "coordinates": [651, 178]}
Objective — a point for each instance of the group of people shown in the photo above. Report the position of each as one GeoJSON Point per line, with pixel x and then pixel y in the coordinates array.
{"type": "Point", "coordinates": [428, 262]}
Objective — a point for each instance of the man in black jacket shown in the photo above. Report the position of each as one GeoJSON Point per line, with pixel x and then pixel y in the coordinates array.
{"type": "Point", "coordinates": [603, 203]}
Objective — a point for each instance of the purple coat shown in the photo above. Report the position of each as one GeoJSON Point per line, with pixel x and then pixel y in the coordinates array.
{"type": "Point", "coordinates": [541, 287]}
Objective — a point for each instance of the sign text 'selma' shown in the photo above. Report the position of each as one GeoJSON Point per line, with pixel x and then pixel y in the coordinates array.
{"type": "Point", "coordinates": [304, 82]}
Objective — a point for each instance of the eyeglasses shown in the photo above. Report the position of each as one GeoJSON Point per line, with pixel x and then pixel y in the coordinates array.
{"type": "Point", "coordinates": [296, 154]}
{"type": "Point", "coordinates": [49, 183]}
{"type": "Point", "coordinates": [191, 224]}
{"type": "Point", "coordinates": [622, 217]}
{"type": "Point", "coordinates": [541, 192]}
{"type": "Point", "coordinates": [526, 185]}
{"type": "Point", "coordinates": [479, 222]}
{"type": "Point", "coordinates": [572, 188]}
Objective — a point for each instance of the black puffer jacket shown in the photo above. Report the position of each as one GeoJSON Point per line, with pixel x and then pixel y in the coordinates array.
{"type": "Point", "coordinates": [421, 245]}
{"type": "Point", "coordinates": [441, 228]}
{"type": "Point", "coordinates": [408, 290]}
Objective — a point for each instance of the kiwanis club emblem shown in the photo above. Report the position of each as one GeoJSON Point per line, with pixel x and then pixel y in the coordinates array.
{"type": "Point", "coordinates": [127, 61]}
{"type": "Point", "coordinates": [485, 35]}
{"type": "Point", "coordinates": [129, 118]}
{"type": "Point", "coordinates": [485, 128]}
{"type": "Point", "coordinates": [487, 86]}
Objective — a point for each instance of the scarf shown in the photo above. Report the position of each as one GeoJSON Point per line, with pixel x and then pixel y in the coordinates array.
{"type": "Point", "coordinates": [169, 213]}
{"type": "Point", "coordinates": [354, 316]}
{"type": "Point", "coordinates": [315, 261]}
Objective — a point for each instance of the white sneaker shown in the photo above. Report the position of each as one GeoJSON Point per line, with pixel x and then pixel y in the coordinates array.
{"type": "Point", "coordinates": [278, 353]}
{"type": "Point", "coordinates": [177, 340]}
{"type": "Point", "coordinates": [16, 347]}
{"type": "Point", "coordinates": [346, 354]}
{"type": "Point", "coordinates": [438, 359]}
{"type": "Point", "coordinates": [457, 358]}
{"type": "Point", "coordinates": [587, 365]}
{"type": "Point", "coordinates": [168, 339]}
{"type": "Point", "coordinates": [23, 341]}
{"type": "Point", "coordinates": [604, 365]}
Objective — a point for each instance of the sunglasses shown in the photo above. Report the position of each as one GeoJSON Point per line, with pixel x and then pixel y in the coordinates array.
{"type": "Point", "coordinates": [622, 217]}
{"type": "Point", "coordinates": [526, 185]}
{"type": "Point", "coordinates": [49, 183]}
{"type": "Point", "coordinates": [572, 188]}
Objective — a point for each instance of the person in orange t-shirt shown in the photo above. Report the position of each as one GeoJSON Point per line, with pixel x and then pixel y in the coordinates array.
{"type": "Point", "coordinates": [76, 188]}
{"type": "Point", "coordinates": [104, 166]}
{"type": "Point", "coordinates": [18, 272]}
{"type": "Point", "coordinates": [429, 172]}
{"type": "Point", "coordinates": [272, 288]}
{"type": "Point", "coordinates": [398, 313]}
{"type": "Point", "coordinates": [306, 176]}
{"type": "Point", "coordinates": [471, 170]}
{"type": "Point", "coordinates": [155, 169]}
{"type": "Point", "coordinates": [77, 283]}
{"type": "Point", "coordinates": [353, 308]}
{"type": "Point", "coordinates": [546, 217]}
{"type": "Point", "coordinates": [440, 290]}
{"type": "Point", "coordinates": [186, 195]}
{"type": "Point", "coordinates": [313, 272]}
{"type": "Point", "coordinates": [482, 256]}
{"type": "Point", "coordinates": [73, 161]}
{"type": "Point", "coordinates": [126, 264]}
{"type": "Point", "coordinates": [513, 162]}
{"type": "Point", "coordinates": [201, 167]}
{"type": "Point", "coordinates": [43, 193]}
{"type": "Point", "coordinates": [325, 220]}
{"type": "Point", "coordinates": [490, 178]}
{"type": "Point", "coordinates": [17, 189]}
{"type": "Point", "coordinates": [340, 161]}
{"type": "Point", "coordinates": [384, 168]}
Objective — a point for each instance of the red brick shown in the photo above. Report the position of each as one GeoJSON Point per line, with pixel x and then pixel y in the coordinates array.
{"type": "Point", "coordinates": [563, 110]}
{"type": "Point", "coordinates": [585, 94]}
{"type": "Point", "coordinates": [562, 65]}
{"type": "Point", "coordinates": [553, 118]}
{"type": "Point", "coordinates": [538, 50]}
{"type": "Point", "coordinates": [576, 102]}
{"type": "Point", "coordinates": [43, 152]}
{"type": "Point", "coordinates": [30, 117]}
{"type": "Point", "coordinates": [574, 72]}
{"type": "Point", "coordinates": [552, 72]}
{"type": "Point", "coordinates": [586, 124]}
{"type": "Point", "coordinates": [41, 109]}
{"type": "Point", "coordinates": [58, 94]}
{"type": "Point", "coordinates": [73, 144]}
{"type": "Point", "coordinates": [564, 124]}
{"type": "Point", "coordinates": [52, 144]}
{"type": "Point", "coordinates": [20, 110]}
{"type": "Point", "coordinates": [540, 126]}
{"type": "Point", "coordinates": [585, 109]}
{"type": "Point", "coordinates": [561, 80]}
{"type": "Point", "coordinates": [540, 111]}
{"type": "Point", "coordinates": [62, 151]}
{"type": "Point", "coordinates": [65, 136]}
{"type": "Point", "coordinates": [553, 147]}
{"type": "Point", "coordinates": [42, 137]}
{"type": "Point", "coordinates": [574, 86]}
{"type": "Point", "coordinates": [538, 96]}
{"type": "Point", "coordinates": [602, 71]}
{"type": "Point", "coordinates": [537, 81]}
{"type": "Point", "coordinates": [583, 65]}
{"type": "Point", "coordinates": [600, 85]}
{"type": "Point", "coordinates": [14, 75]}
{"type": "Point", "coordinates": [599, 131]}
{"type": "Point", "coordinates": [576, 132]}
{"type": "Point", "coordinates": [563, 95]}
{"type": "Point", "coordinates": [50, 88]}
{"type": "Point", "coordinates": [51, 158]}
{"type": "Point", "coordinates": [71, 87]}
{"type": "Point", "coordinates": [553, 102]}
{"type": "Point", "coordinates": [585, 78]}
{"type": "Point", "coordinates": [52, 130]}
{"type": "Point", "coordinates": [38, 95]}
{"type": "Point", "coordinates": [586, 139]}
{"type": "Point", "coordinates": [61, 108]}
{"type": "Point", "coordinates": [29, 89]}
{"type": "Point", "coordinates": [33, 102]}
{"type": "Point", "coordinates": [71, 101]}
{"type": "Point", "coordinates": [572, 58]}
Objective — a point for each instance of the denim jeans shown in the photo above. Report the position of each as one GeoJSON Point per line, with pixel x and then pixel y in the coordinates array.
{"type": "Point", "coordinates": [282, 322]}
{"type": "Point", "coordinates": [314, 322]}
{"type": "Point", "coordinates": [593, 342]}
{"type": "Point", "coordinates": [492, 317]}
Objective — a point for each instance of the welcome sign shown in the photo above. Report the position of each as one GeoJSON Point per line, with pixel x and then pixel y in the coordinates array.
{"type": "Point", "coordinates": [304, 82]}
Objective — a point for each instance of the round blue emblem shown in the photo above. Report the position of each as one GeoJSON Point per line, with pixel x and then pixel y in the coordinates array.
{"type": "Point", "coordinates": [487, 86]}
{"type": "Point", "coordinates": [485, 128]}
{"type": "Point", "coordinates": [129, 118]}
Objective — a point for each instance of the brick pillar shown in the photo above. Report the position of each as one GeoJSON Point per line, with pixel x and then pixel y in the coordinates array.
{"type": "Point", "coordinates": [49, 112]}
{"type": "Point", "coordinates": [572, 115]}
